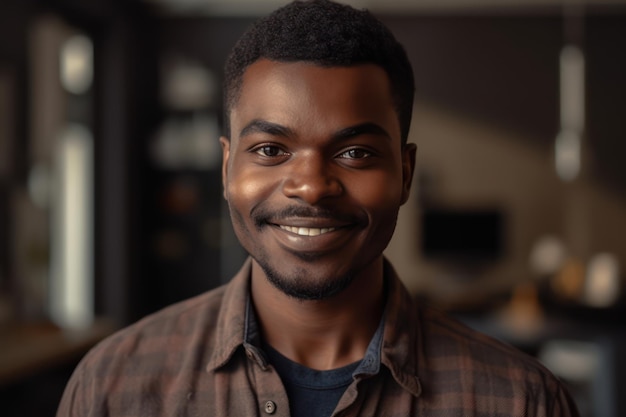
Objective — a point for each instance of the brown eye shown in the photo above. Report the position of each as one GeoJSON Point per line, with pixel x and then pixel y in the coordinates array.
{"type": "Point", "coordinates": [355, 153]}
{"type": "Point", "coordinates": [269, 151]}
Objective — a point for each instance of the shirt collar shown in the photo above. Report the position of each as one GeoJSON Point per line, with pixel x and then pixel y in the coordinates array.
{"type": "Point", "coordinates": [370, 364]}
{"type": "Point", "coordinates": [402, 350]}
{"type": "Point", "coordinates": [230, 328]}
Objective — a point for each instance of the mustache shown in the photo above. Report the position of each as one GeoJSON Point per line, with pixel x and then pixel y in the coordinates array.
{"type": "Point", "coordinates": [262, 216]}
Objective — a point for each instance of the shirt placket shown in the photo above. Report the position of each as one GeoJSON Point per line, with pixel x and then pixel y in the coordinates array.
{"type": "Point", "coordinates": [271, 395]}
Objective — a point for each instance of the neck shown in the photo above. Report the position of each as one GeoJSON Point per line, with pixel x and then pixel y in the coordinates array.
{"type": "Point", "coordinates": [321, 334]}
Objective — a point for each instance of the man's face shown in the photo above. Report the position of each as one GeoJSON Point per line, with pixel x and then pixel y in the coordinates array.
{"type": "Point", "coordinates": [314, 172]}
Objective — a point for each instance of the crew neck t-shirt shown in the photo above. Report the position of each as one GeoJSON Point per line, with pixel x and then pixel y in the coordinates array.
{"type": "Point", "coordinates": [312, 393]}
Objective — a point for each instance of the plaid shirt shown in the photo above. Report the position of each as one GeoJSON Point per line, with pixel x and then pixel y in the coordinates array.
{"type": "Point", "coordinates": [194, 359]}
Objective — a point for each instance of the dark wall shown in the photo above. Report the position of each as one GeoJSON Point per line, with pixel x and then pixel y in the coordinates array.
{"type": "Point", "coordinates": [605, 47]}
{"type": "Point", "coordinates": [499, 69]}
{"type": "Point", "coordinates": [503, 70]}
{"type": "Point", "coordinates": [13, 61]}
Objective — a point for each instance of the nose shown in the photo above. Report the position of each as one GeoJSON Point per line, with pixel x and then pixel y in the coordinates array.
{"type": "Point", "coordinates": [311, 179]}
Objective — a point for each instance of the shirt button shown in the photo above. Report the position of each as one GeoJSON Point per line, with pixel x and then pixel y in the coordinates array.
{"type": "Point", "coordinates": [270, 407]}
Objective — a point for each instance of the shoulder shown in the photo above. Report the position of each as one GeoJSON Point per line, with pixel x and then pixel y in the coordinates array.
{"type": "Point", "coordinates": [173, 330]}
{"type": "Point", "coordinates": [462, 360]}
{"type": "Point", "coordinates": [463, 369]}
{"type": "Point", "coordinates": [185, 333]}
{"type": "Point", "coordinates": [446, 336]}
{"type": "Point", "coordinates": [140, 360]}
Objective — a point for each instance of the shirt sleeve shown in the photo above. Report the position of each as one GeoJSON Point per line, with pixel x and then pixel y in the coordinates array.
{"type": "Point", "coordinates": [73, 400]}
{"type": "Point", "coordinates": [564, 405]}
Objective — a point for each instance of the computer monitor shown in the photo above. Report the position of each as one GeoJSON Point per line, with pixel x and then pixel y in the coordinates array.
{"type": "Point", "coordinates": [470, 235]}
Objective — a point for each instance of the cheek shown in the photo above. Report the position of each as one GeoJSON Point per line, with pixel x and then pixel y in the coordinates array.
{"type": "Point", "coordinates": [246, 189]}
{"type": "Point", "coordinates": [381, 194]}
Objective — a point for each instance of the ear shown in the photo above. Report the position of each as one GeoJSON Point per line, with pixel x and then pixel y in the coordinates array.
{"type": "Point", "coordinates": [408, 168]}
{"type": "Point", "coordinates": [225, 142]}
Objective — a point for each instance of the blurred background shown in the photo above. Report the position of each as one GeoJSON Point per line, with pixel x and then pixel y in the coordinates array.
{"type": "Point", "coordinates": [110, 191]}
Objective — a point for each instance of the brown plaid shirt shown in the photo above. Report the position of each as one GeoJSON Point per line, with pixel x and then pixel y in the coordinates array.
{"type": "Point", "coordinates": [193, 359]}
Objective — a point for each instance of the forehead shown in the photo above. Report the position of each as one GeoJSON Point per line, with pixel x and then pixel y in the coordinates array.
{"type": "Point", "coordinates": [301, 92]}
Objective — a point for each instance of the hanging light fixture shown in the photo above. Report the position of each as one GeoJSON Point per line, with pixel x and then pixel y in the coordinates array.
{"type": "Point", "coordinates": [569, 140]}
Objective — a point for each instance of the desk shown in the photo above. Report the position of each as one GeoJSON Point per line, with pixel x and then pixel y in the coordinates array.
{"type": "Point", "coordinates": [26, 349]}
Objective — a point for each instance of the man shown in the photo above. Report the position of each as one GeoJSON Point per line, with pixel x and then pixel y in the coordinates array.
{"type": "Point", "coordinates": [316, 165]}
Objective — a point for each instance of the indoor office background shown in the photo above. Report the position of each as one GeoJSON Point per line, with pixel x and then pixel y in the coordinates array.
{"type": "Point", "coordinates": [110, 192]}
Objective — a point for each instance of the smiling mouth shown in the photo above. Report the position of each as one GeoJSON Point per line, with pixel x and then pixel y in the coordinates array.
{"type": "Point", "coordinates": [307, 231]}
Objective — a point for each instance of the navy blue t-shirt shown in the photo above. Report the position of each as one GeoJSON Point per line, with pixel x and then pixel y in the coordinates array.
{"type": "Point", "coordinates": [311, 393]}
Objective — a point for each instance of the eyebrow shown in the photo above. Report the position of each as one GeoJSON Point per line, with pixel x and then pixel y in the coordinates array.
{"type": "Point", "coordinates": [361, 129]}
{"type": "Point", "coordinates": [263, 126]}
{"type": "Point", "coordinates": [274, 129]}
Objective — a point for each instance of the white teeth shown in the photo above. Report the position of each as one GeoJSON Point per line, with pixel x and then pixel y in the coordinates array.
{"type": "Point", "coordinates": [307, 231]}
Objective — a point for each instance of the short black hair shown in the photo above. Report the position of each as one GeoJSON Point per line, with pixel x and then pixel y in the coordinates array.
{"type": "Point", "coordinates": [327, 34]}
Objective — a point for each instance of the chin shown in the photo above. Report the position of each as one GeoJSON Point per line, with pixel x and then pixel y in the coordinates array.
{"type": "Point", "coordinates": [301, 285]}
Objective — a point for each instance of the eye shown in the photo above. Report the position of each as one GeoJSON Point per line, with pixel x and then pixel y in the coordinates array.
{"type": "Point", "coordinates": [269, 151]}
{"type": "Point", "coordinates": [355, 153]}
